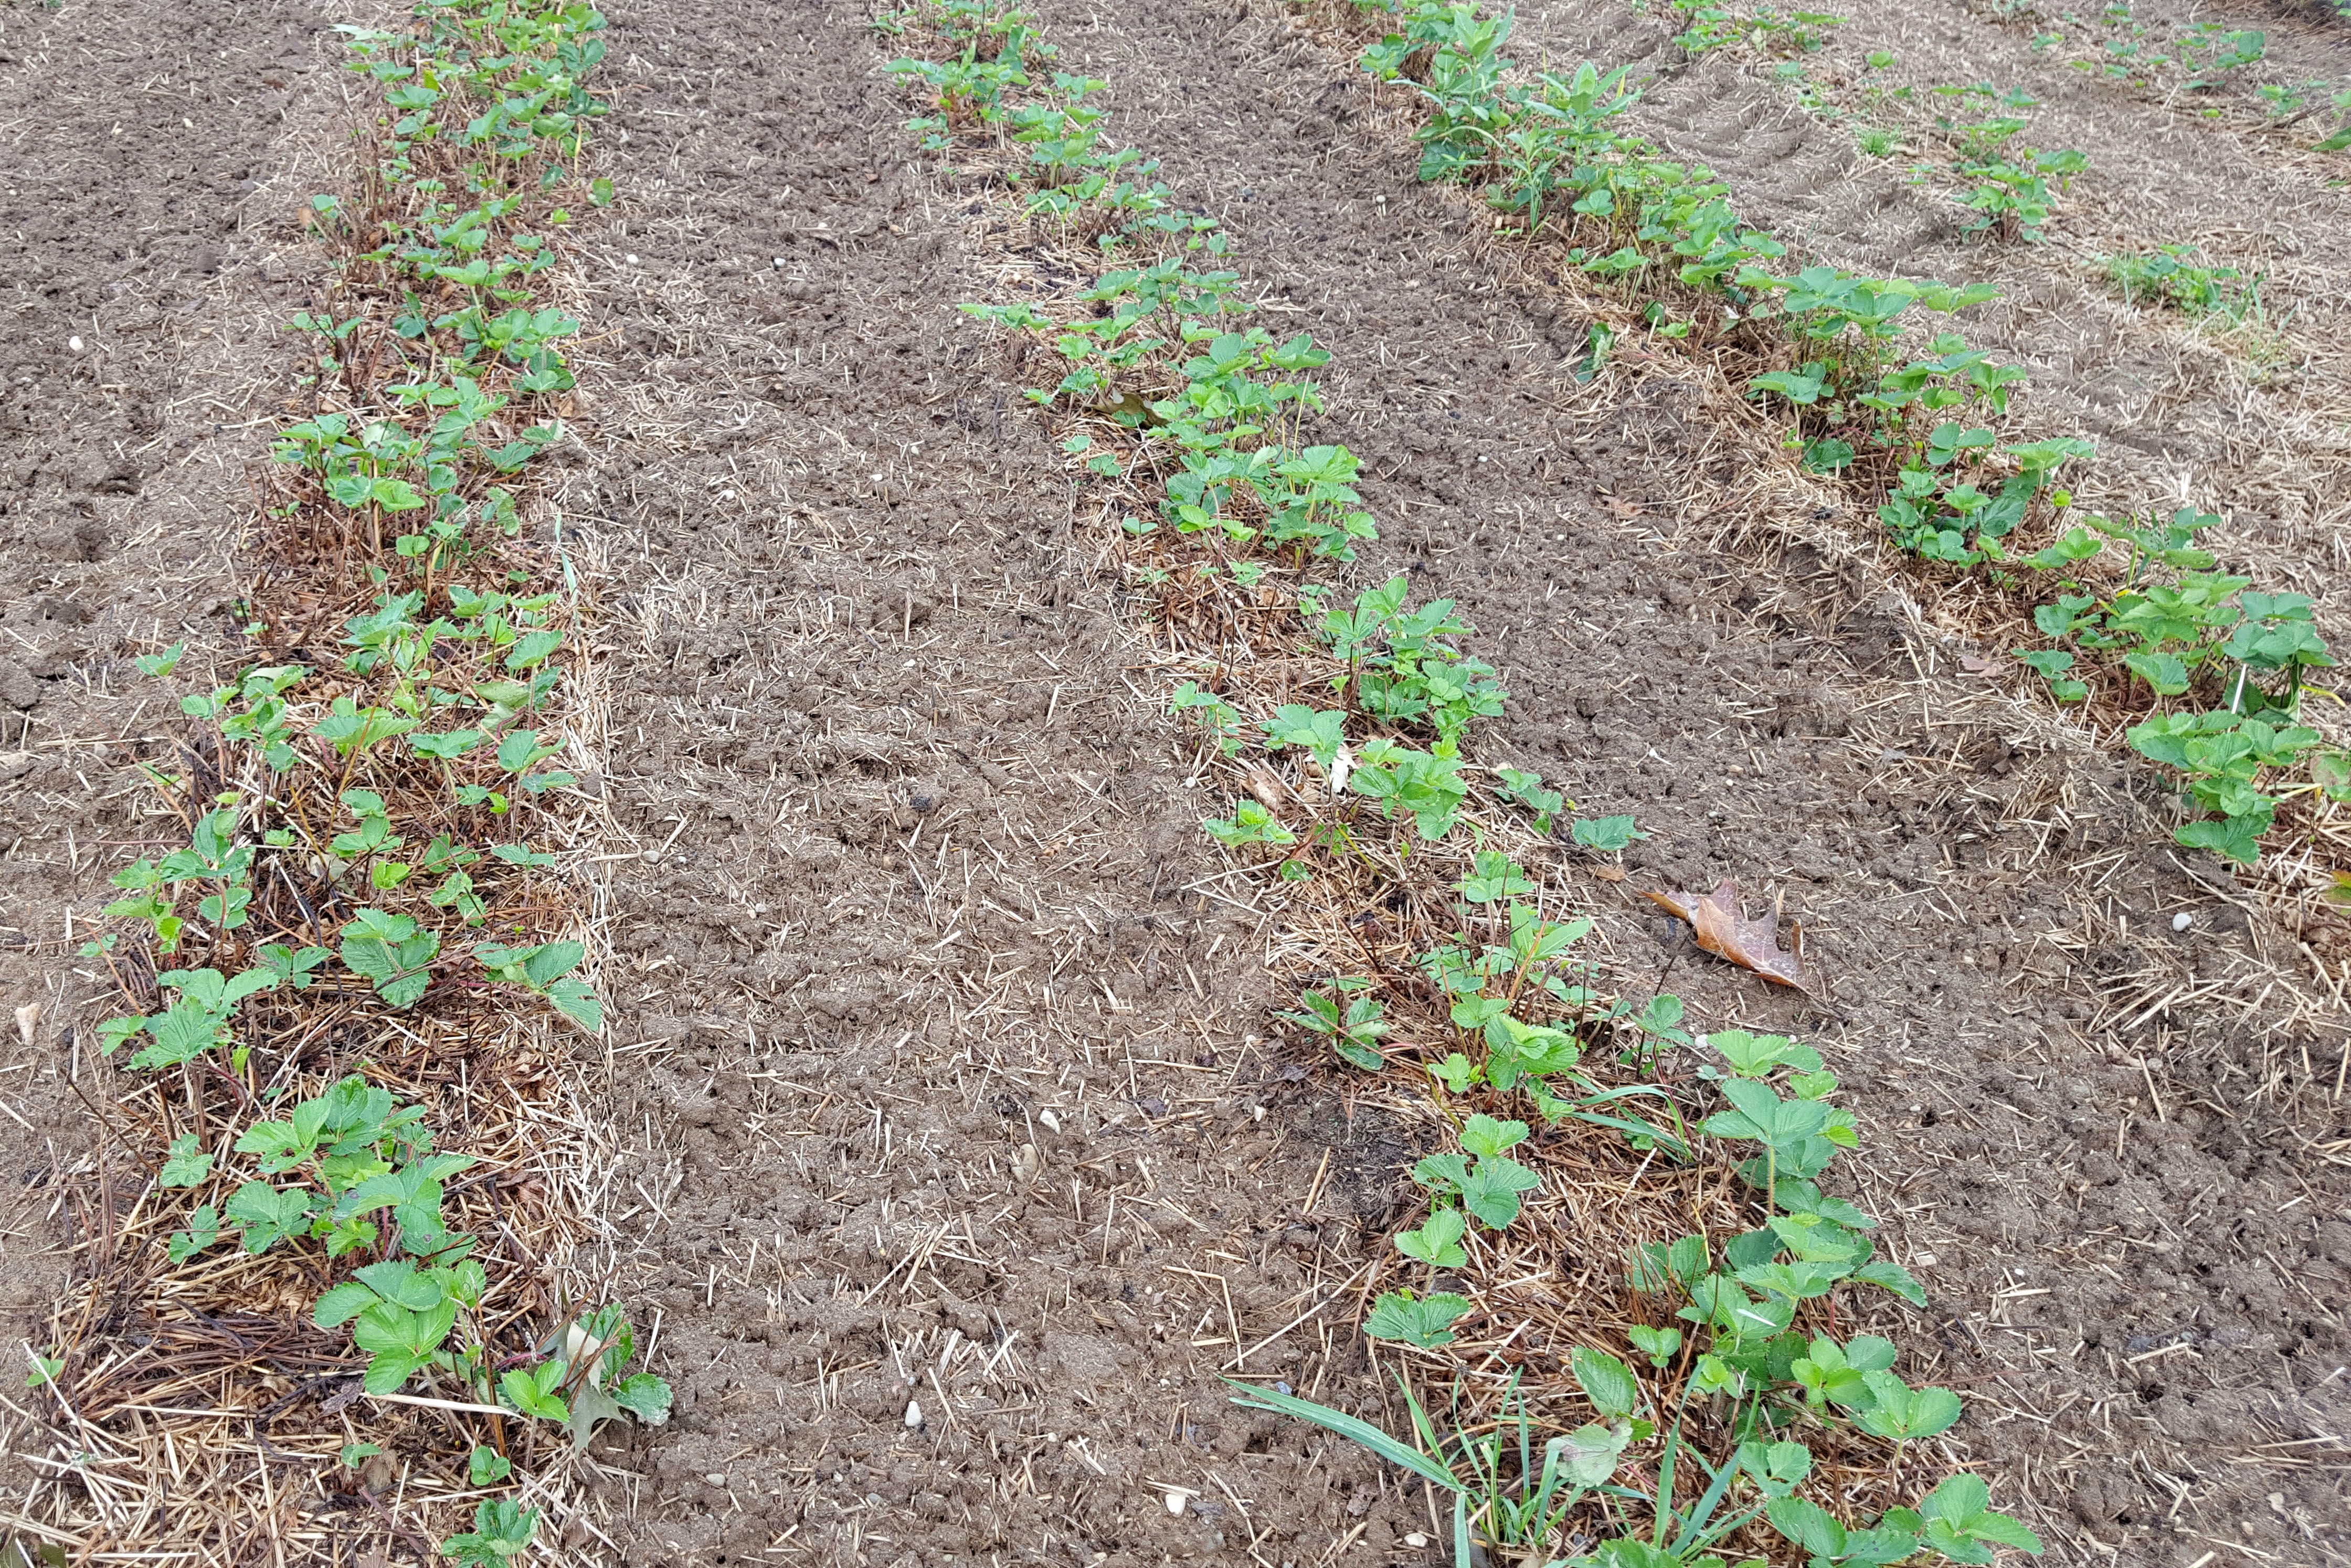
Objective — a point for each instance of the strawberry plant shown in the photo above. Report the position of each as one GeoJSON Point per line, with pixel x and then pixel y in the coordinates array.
{"type": "Point", "coordinates": [545, 971]}
{"type": "Point", "coordinates": [503, 1529]}
{"type": "Point", "coordinates": [1423, 1322]}
{"type": "Point", "coordinates": [1606, 834]}
{"type": "Point", "coordinates": [193, 1024]}
{"type": "Point", "coordinates": [2170, 275]}
{"type": "Point", "coordinates": [2182, 630]}
{"type": "Point", "coordinates": [1504, 1498]}
{"type": "Point", "coordinates": [1437, 1241]}
{"type": "Point", "coordinates": [1779, 1380]}
{"type": "Point", "coordinates": [1219, 717]}
{"type": "Point", "coordinates": [1766, 28]}
{"type": "Point", "coordinates": [1405, 667]}
{"type": "Point", "coordinates": [2220, 757]}
{"type": "Point", "coordinates": [1525, 788]}
{"type": "Point", "coordinates": [2010, 195]}
{"type": "Point", "coordinates": [1251, 823]}
{"type": "Point", "coordinates": [393, 952]}
{"type": "Point", "coordinates": [1483, 1178]}
{"type": "Point", "coordinates": [1426, 787]}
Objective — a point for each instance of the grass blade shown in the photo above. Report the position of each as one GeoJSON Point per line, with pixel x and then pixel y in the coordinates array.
{"type": "Point", "coordinates": [1355, 1429]}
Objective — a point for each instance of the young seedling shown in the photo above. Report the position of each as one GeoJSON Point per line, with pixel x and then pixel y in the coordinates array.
{"type": "Point", "coordinates": [1354, 1026]}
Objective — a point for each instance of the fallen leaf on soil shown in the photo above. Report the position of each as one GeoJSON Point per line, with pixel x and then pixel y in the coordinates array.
{"type": "Point", "coordinates": [1609, 872]}
{"type": "Point", "coordinates": [1725, 931]}
{"type": "Point", "coordinates": [1266, 787]}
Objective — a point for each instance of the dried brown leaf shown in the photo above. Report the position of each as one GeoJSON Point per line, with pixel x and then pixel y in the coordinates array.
{"type": "Point", "coordinates": [1725, 931]}
{"type": "Point", "coordinates": [1268, 790]}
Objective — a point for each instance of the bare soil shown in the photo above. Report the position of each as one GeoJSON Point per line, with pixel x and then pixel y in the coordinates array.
{"type": "Point", "coordinates": [956, 1093]}
{"type": "Point", "coordinates": [966, 1153]}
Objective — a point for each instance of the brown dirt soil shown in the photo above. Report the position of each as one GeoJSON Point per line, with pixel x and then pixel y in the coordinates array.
{"type": "Point", "coordinates": [140, 348]}
{"type": "Point", "coordinates": [924, 1017]}
{"type": "Point", "coordinates": [953, 1090]}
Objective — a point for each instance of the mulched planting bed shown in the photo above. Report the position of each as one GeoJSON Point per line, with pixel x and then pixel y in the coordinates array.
{"type": "Point", "coordinates": [961, 1124]}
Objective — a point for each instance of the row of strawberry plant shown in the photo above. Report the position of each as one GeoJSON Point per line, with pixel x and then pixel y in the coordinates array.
{"type": "Point", "coordinates": [355, 873]}
{"type": "Point", "coordinates": [1196, 427]}
{"type": "Point", "coordinates": [1907, 416]}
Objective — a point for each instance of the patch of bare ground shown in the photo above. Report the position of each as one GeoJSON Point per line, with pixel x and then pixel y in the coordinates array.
{"type": "Point", "coordinates": [963, 1165]}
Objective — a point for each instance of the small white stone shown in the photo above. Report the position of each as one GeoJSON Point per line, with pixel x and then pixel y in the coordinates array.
{"type": "Point", "coordinates": [914, 1417]}
{"type": "Point", "coordinates": [1051, 1120]}
{"type": "Point", "coordinates": [1175, 1502]}
{"type": "Point", "coordinates": [74, 343]}
{"type": "Point", "coordinates": [2182, 921]}
{"type": "Point", "coordinates": [779, 264]}
{"type": "Point", "coordinates": [1415, 1540]}
{"type": "Point", "coordinates": [633, 261]}
{"type": "Point", "coordinates": [716, 1478]}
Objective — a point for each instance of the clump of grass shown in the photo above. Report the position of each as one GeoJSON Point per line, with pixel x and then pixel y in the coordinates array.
{"type": "Point", "coordinates": [1877, 140]}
